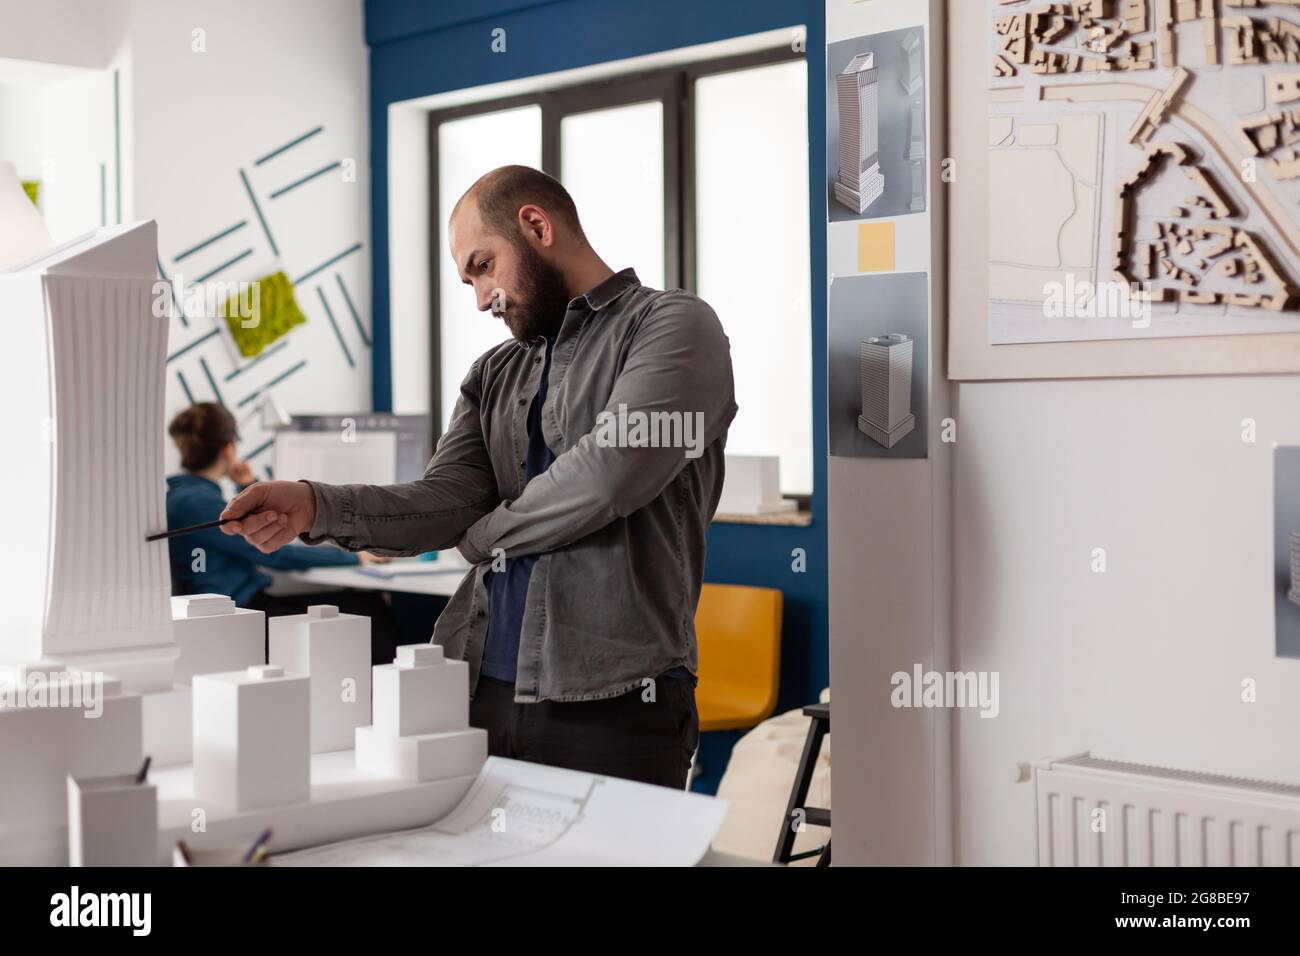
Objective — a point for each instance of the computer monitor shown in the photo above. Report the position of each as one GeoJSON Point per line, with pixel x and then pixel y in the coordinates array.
{"type": "Point", "coordinates": [369, 448]}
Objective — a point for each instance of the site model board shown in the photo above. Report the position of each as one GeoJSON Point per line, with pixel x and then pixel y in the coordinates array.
{"type": "Point", "coordinates": [1149, 145]}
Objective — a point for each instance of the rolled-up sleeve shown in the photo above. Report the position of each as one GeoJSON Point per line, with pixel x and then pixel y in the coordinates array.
{"type": "Point", "coordinates": [678, 369]}
{"type": "Point", "coordinates": [458, 488]}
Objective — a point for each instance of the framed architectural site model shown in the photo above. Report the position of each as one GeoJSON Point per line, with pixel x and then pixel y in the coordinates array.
{"type": "Point", "coordinates": [1124, 187]}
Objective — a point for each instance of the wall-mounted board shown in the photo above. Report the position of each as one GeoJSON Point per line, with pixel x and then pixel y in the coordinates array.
{"type": "Point", "coordinates": [1125, 189]}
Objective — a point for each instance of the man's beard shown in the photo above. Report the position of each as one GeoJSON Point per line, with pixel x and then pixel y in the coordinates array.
{"type": "Point", "coordinates": [542, 300]}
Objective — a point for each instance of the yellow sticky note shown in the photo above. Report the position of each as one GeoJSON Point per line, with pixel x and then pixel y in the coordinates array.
{"type": "Point", "coordinates": [876, 246]}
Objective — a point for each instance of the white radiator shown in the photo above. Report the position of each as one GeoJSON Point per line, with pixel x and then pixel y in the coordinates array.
{"type": "Point", "coordinates": [1097, 812]}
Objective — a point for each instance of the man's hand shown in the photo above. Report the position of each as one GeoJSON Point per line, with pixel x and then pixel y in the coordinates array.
{"type": "Point", "coordinates": [271, 513]}
{"type": "Point", "coordinates": [367, 558]}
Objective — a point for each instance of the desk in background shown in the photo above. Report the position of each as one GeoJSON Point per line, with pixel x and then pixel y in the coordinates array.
{"type": "Point", "coordinates": [417, 594]}
{"type": "Point", "coordinates": [413, 577]}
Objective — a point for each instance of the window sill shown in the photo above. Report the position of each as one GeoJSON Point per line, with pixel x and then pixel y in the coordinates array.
{"type": "Point", "coordinates": [785, 519]}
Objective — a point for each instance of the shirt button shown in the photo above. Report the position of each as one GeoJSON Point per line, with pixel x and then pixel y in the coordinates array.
{"type": "Point", "coordinates": [523, 464]}
{"type": "Point", "coordinates": [523, 401]}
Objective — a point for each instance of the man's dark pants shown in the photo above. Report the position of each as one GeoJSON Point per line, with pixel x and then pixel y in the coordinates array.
{"type": "Point", "coordinates": [626, 736]}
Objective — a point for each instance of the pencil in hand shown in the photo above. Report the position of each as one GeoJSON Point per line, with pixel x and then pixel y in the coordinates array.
{"type": "Point", "coordinates": [161, 535]}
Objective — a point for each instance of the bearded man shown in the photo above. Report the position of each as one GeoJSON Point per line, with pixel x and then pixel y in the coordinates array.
{"type": "Point", "coordinates": [577, 619]}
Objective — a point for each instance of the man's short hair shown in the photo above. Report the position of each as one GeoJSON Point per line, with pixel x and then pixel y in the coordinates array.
{"type": "Point", "coordinates": [501, 193]}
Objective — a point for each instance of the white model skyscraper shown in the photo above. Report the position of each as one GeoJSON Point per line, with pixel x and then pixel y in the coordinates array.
{"type": "Point", "coordinates": [860, 181]}
{"type": "Point", "coordinates": [886, 368]}
{"type": "Point", "coordinates": [84, 361]}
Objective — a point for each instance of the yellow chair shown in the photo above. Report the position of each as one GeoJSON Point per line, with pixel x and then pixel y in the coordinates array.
{"type": "Point", "coordinates": [739, 634]}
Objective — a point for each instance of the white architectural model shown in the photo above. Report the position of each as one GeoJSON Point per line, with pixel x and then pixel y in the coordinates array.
{"type": "Point", "coordinates": [54, 724]}
{"type": "Point", "coordinates": [886, 369]}
{"type": "Point", "coordinates": [753, 486]}
{"type": "Point", "coordinates": [213, 635]}
{"type": "Point", "coordinates": [98, 662]}
{"type": "Point", "coordinates": [421, 730]}
{"type": "Point", "coordinates": [112, 821]}
{"type": "Point", "coordinates": [82, 585]}
{"type": "Point", "coordinates": [252, 738]}
{"type": "Point", "coordinates": [334, 650]}
{"type": "Point", "coordinates": [857, 88]}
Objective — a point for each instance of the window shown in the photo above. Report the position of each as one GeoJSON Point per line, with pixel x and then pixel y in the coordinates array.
{"type": "Point", "coordinates": [466, 148]}
{"type": "Point", "coordinates": [751, 253]}
{"type": "Point", "coordinates": [697, 177]}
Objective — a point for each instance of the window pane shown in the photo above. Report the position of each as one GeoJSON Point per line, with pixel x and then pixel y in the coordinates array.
{"type": "Point", "coordinates": [468, 148]}
{"type": "Point", "coordinates": [611, 161]}
{"type": "Point", "coordinates": [751, 216]}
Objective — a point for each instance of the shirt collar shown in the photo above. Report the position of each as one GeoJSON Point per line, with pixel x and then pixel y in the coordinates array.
{"type": "Point", "coordinates": [610, 289]}
{"type": "Point", "coordinates": [599, 297]}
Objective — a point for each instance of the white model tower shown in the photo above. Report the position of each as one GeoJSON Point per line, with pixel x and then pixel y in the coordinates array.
{"type": "Point", "coordinates": [857, 88]}
{"type": "Point", "coordinates": [421, 730]}
{"type": "Point", "coordinates": [252, 738]}
{"type": "Point", "coordinates": [85, 477]}
{"type": "Point", "coordinates": [886, 368]}
{"type": "Point", "coordinates": [334, 650]}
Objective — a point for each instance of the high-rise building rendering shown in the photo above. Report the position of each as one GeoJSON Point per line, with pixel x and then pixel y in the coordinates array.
{"type": "Point", "coordinates": [886, 370]}
{"type": "Point", "coordinates": [860, 181]}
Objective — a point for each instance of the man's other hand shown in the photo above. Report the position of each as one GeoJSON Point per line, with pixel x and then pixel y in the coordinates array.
{"type": "Point", "coordinates": [271, 513]}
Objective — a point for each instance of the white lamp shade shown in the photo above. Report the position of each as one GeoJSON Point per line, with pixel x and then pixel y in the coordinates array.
{"type": "Point", "coordinates": [22, 231]}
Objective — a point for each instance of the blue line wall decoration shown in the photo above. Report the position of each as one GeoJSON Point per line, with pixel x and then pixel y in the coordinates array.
{"type": "Point", "coordinates": [230, 251]}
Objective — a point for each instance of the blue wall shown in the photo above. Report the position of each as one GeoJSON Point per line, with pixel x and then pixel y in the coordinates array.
{"type": "Point", "coordinates": [420, 48]}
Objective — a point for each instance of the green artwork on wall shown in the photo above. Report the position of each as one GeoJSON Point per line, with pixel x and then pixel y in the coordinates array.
{"type": "Point", "coordinates": [262, 314]}
{"type": "Point", "coordinates": [33, 189]}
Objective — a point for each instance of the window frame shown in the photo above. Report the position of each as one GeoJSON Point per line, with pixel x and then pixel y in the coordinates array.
{"type": "Point", "coordinates": [674, 87]}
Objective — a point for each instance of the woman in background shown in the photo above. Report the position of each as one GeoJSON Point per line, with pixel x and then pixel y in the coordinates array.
{"type": "Point", "coordinates": [210, 562]}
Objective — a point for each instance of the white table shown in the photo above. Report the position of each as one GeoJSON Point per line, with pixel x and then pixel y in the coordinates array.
{"type": "Point", "coordinates": [440, 582]}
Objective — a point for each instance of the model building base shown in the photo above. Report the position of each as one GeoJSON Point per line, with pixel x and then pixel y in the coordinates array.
{"type": "Point", "coordinates": [873, 187]}
{"type": "Point", "coordinates": [422, 757]}
{"type": "Point", "coordinates": [345, 802]}
{"type": "Point", "coordinates": [887, 438]}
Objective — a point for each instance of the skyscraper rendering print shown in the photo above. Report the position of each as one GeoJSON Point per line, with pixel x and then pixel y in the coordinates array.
{"type": "Point", "coordinates": [878, 358]}
{"type": "Point", "coordinates": [876, 126]}
{"type": "Point", "coordinates": [860, 180]}
{"type": "Point", "coordinates": [886, 370]}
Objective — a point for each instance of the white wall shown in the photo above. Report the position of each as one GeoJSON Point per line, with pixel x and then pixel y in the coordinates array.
{"type": "Point", "coordinates": [69, 32]}
{"type": "Point", "coordinates": [1143, 662]}
{"type": "Point", "coordinates": [191, 119]}
{"type": "Point", "coordinates": [268, 73]}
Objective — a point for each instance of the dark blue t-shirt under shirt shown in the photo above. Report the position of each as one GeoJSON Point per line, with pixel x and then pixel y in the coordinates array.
{"type": "Point", "coordinates": [508, 589]}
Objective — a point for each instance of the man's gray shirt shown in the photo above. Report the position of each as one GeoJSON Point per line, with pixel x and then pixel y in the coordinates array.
{"type": "Point", "coordinates": [618, 521]}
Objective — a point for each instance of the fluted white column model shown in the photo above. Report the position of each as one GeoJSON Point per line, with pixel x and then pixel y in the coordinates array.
{"type": "Point", "coordinates": [857, 90]}
{"type": "Point", "coordinates": [83, 368]}
{"type": "Point", "coordinates": [886, 370]}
